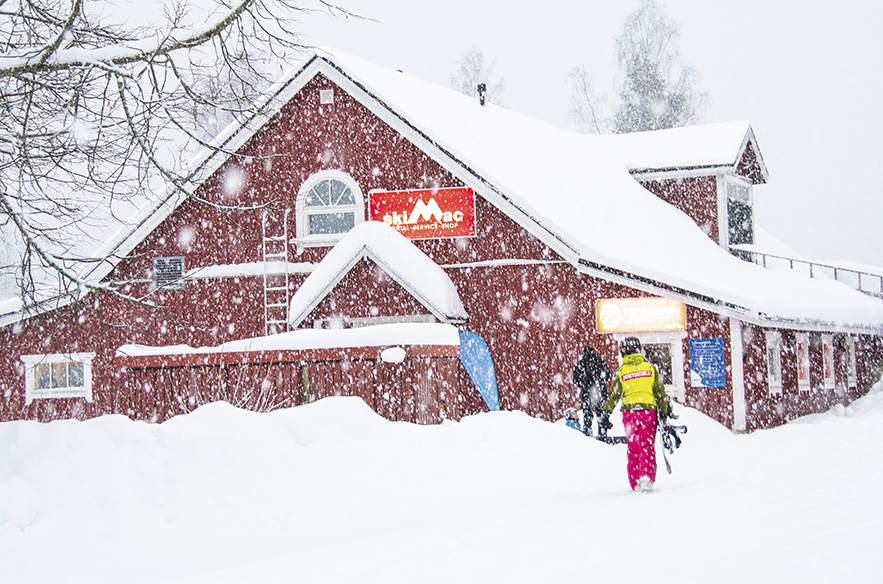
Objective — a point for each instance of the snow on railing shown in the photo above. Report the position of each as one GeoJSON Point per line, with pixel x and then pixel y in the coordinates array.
{"type": "Point", "coordinates": [867, 282]}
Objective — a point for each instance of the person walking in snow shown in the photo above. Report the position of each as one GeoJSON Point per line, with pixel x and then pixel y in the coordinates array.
{"type": "Point", "coordinates": [639, 386]}
{"type": "Point", "coordinates": [592, 375]}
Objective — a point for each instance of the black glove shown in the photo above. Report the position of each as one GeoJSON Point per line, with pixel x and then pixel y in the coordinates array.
{"type": "Point", "coordinates": [604, 420]}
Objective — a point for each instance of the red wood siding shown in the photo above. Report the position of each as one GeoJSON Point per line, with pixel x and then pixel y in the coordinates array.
{"type": "Point", "coordinates": [410, 391]}
{"type": "Point", "coordinates": [695, 196]}
{"type": "Point", "coordinates": [715, 402]}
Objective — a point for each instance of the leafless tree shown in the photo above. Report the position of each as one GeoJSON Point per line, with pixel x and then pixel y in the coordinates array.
{"type": "Point", "coordinates": [473, 71]}
{"type": "Point", "coordinates": [656, 90]}
{"type": "Point", "coordinates": [586, 106]}
{"type": "Point", "coordinates": [90, 105]}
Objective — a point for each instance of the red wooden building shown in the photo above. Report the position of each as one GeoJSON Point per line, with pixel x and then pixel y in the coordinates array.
{"type": "Point", "coordinates": [538, 240]}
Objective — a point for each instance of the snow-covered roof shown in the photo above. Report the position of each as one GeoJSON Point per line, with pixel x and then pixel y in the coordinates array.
{"type": "Point", "coordinates": [572, 191]}
{"type": "Point", "coordinates": [704, 148]}
{"type": "Point", "coordinates": [398, 257]}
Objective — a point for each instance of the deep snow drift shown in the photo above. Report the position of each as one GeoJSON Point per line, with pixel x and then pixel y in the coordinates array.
{"type": "Point", "coordinates": [330, 492]}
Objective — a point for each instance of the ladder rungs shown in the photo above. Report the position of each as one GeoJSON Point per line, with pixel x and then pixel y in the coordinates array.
{"type": "Point", "coordinates": [275, 238]}
{"type": "Point", "coordinates": [275, 255]}
{"type": "Point", "coordinates": [275, 288]}
{"type": "Point", "coordinates": [276, 305]}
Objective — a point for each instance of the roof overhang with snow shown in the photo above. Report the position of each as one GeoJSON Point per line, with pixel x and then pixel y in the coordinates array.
{"type": "Point", "coordinates": [394, 254]}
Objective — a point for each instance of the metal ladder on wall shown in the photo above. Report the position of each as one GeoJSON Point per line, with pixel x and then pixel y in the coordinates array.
{"type": "Point", "coordinates": [275, 249]}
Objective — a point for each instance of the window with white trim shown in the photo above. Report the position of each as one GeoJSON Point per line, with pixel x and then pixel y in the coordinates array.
{"type": "Point", "coordinates": [61, 375]}
{"type": "Point", "coordinates": [851, 369]}
{"type": "Point", "coordinates": [740, 215]}
{"type": "Point", "coordinates": [168, 273]}
{"type": "Point", "coordinates": [828, 361]}
{"type": "Point", "coordinates": [774, 361]}
{"type": "Point", "coordinates": [329, 204]}
{"type": "Point", "coordinates": [801, 341]}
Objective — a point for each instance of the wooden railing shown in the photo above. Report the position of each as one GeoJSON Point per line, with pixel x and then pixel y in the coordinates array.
{"type": "Point", "coordinates": [867, 282]}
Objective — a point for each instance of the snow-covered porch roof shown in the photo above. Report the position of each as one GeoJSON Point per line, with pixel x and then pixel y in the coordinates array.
{"type": "Point", "coordinates": [422, 339]}
{"type": "Point", "coordinates": [394, 254]}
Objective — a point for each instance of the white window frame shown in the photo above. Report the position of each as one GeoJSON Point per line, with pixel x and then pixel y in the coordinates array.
{"type": "Point", "coordinates": [828, 367]}
{"type": "Point", "coordinates": [304, 238]}
{"type": "Point", "coordinates": [168, 273]}
{"type": "Point", "coordinates": [675, 340]}
{"type": "Point", "coordinates": [802, 361]}
{"type": "Point", "coordinates": [723, 214]}
{"type": "Point", "coordinates": [773, 360]}
{"type": "Point", "coordinates": [851, 368]}
{"type": "Point", "coordinates": [32, 362]}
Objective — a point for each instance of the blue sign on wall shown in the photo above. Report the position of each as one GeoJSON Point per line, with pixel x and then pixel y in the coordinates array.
{"type": "Point", "coordinates": [708, 367]}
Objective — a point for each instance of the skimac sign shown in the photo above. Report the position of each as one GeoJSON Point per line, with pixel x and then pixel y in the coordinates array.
{"type": "Point", "coordinates": [426, 213]}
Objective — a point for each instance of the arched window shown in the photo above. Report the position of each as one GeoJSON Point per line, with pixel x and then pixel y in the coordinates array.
{"type": "Point", "coordinates": [329, 204]}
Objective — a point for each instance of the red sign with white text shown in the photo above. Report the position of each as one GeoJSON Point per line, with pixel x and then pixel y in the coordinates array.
{"type": "Point", "coordinates": [426, 213]}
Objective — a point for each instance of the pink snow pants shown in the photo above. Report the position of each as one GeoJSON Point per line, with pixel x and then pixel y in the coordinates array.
{"type": "Point", "coordinates": [640, 432]}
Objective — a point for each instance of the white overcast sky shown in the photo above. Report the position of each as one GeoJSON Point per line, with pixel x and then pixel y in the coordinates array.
{"type": "Point", "coordinates": [807, 75]}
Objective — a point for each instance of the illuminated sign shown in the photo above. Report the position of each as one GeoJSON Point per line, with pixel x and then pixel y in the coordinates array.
{"type": "Point", "coordinates": [633, 315]}
{"type": "Point", "coordinates": [426, 213]}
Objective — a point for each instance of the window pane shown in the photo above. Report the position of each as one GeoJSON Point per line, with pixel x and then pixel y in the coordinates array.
{"type": "Point", "coordinates": [319, 195]}
{"type": "Point", "coordinates": [660, 355]}
{"type": "Point", "coordinates": [741, 222]}
{"type": "Point", "coordinates": [43, 376]}
{"type": "Point", "coordinates": [773, 363]}
{"type": "Point", "coordinates": [341, 194]}
{"type": "Point", "coordinates": [59, 375]}
{"type": "Point", "coordinates": [76, 374]}
{"type": "Point", "coordinates": [326, 223]}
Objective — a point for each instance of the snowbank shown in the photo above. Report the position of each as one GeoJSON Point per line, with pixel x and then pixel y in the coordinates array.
{"type": "Point", "coordinates": [330, 492]}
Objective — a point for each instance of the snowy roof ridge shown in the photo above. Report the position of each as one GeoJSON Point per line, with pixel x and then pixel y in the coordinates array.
{"type": "Point", "coordinates": [403, 261]}
{"type": "Point", "coordinates": [575, 193]}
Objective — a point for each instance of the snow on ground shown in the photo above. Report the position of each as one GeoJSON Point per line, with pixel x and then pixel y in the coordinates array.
{"type": "Point", "coordinates": [330, 492]}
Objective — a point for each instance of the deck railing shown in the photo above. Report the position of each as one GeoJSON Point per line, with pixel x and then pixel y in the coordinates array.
{"type": "Point", "coordinates": [867, 282]}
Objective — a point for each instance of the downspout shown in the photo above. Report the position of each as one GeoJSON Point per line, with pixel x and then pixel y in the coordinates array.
{"type": "Point", "coordinates": [738, 376]}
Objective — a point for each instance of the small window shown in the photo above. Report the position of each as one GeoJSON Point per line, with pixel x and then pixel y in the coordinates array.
{"type": "Point", "coordinates": [54, 376]}
{"type": "Point", "coordinates": [740, 217]}
{"type": "Point", "coordinates": [168, 273]}
{"type": "Point", "coordinates": [828, 361]}
{"type": "Point", "coordinates": [774, 362]}
{"type": "Point", "coordinates": [330, 205]}
{"type": "Point", "coordinates": [802, 352]}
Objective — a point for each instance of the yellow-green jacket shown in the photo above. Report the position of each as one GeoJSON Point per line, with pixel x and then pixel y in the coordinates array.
{"type": "Point", "coordinates": [638, 384]}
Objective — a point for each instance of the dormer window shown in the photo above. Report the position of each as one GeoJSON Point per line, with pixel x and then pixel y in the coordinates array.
{"type": "Point", "coordinates": [330, 204]}
{"type": "Point", "coordinates": [740, 215]}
